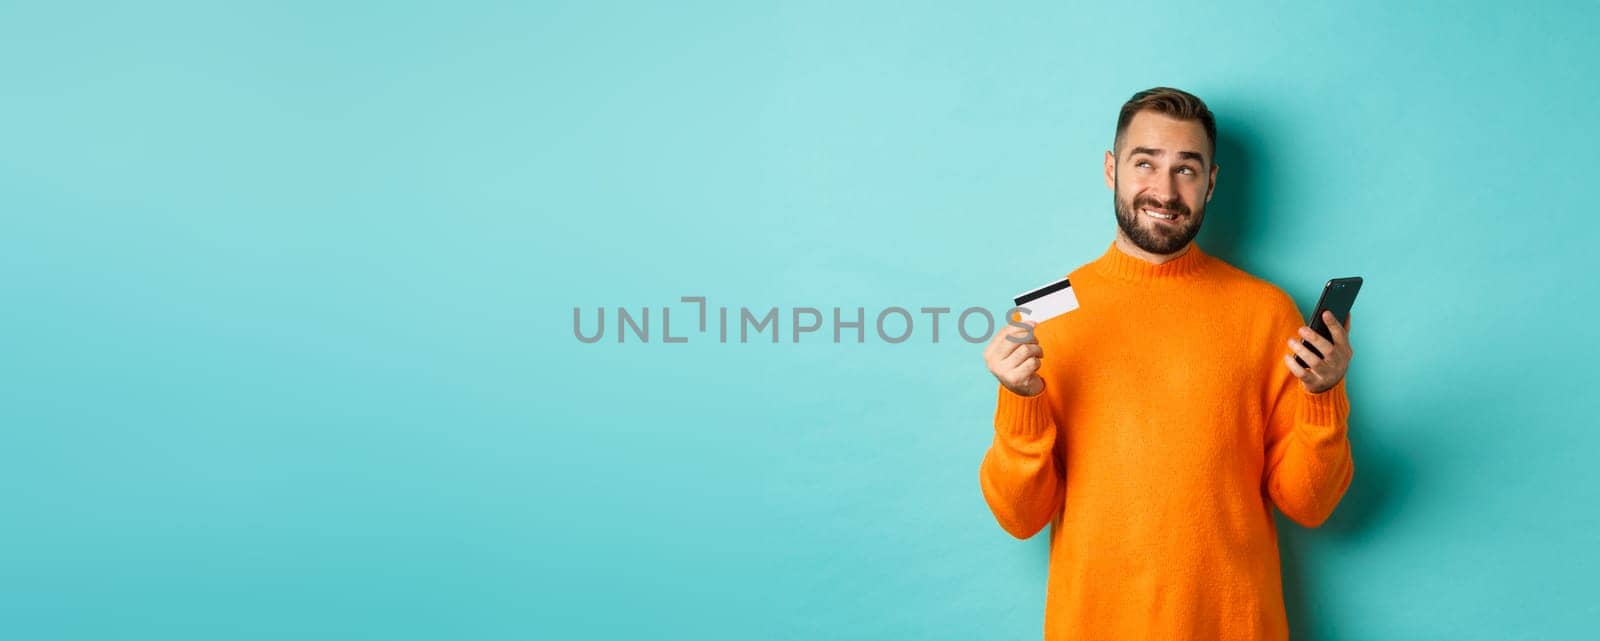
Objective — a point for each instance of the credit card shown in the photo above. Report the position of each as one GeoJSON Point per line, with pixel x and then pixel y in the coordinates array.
{"type": "Point", "coordinates": [1047, 302]}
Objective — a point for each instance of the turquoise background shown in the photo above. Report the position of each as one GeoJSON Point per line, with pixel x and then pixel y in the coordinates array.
{"type": "Point", "coordinates": [288, 348]}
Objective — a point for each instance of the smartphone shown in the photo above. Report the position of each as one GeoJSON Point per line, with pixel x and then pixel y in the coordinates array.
{"type": "Point", "coordinates": [1338, 296]}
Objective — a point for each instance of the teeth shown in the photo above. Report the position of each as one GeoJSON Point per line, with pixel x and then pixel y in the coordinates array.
{"type": "Point", "coordinates": [1161, 216]}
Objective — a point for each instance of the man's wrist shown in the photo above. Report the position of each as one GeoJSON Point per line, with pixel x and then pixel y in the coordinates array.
{"type": "Point", "coordinates": [1024, 393]}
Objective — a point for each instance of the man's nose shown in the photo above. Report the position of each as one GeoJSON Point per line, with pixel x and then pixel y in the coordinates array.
{"type": "Point", "coordinates": [1165, 189]}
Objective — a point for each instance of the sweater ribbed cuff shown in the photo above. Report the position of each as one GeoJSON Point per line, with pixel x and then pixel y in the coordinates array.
{"type": "Point", "coordinates": [1021, 415]}
{"type": "Point", "coordinates": [1329, 408]}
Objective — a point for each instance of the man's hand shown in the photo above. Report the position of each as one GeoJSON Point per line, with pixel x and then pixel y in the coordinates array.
{"type": "Point", "coordinates": [1321, 373]}
{"type": "Point", "coordinates": [1013, 357]}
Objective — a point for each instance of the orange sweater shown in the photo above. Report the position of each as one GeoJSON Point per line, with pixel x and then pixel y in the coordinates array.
{"type": "Point", "coordinates": [1168, 427]}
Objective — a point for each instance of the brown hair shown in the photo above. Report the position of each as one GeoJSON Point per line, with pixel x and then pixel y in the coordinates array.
{"type": "Point", "coordinates": [1176, 103]}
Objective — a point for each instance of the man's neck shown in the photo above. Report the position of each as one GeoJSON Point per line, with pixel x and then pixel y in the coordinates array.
{"type": "Point", "coordinates": [1131, 249]}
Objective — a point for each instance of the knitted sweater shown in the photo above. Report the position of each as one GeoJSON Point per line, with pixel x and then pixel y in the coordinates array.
{"type": "Point", "coordinates": [1168, 427]}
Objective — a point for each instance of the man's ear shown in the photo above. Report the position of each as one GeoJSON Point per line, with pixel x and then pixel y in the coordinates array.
{"type": "Point", "coordinates": [1111, 171]}
{"type": "Point", "coordinates": [1213, 188]}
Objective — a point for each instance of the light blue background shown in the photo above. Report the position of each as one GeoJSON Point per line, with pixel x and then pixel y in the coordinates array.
{"type": "Point", "coordinates": [289, 286]}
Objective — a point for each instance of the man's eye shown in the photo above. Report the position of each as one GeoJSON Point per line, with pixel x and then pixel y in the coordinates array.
{"type": "Point", "coordinates": [1186, 170]}
{"type": "Point", "coordinates": [1142, 164]}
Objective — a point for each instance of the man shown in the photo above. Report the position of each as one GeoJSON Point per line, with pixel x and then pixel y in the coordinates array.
{"type": "Point", "coordinates": [1155, 426]}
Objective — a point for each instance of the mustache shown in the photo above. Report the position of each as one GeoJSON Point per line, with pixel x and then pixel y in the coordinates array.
{"type": "Point", "coordinates": [1171, 205]}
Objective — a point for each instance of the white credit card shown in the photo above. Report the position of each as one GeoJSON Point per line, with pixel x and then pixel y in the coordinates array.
{"type": "Point", "coordinates": [1047, 302]}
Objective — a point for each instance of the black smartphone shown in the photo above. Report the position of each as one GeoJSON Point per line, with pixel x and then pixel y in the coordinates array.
{"type": "Point", "coordinates": [1338, 296]}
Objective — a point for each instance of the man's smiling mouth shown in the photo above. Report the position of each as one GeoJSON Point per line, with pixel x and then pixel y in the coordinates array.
{"type": "Point", "coordinates": [1162, 214]}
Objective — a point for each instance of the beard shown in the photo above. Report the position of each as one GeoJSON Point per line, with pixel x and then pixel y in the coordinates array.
{"type": "Point", "coordinates": [1152, 236]}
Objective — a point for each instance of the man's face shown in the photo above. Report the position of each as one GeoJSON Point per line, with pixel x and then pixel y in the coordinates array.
{"type": "Point", "coordinates": [1161, 176]}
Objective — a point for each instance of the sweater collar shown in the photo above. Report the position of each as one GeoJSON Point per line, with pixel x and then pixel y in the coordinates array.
{"type": "Point", "coordinates": [1119, 264]}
